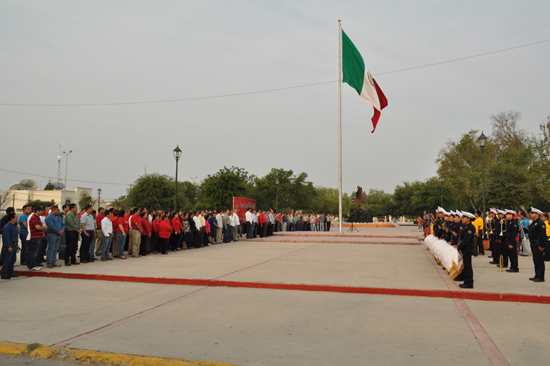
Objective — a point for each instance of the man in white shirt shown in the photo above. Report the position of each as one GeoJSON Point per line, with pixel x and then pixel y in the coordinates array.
{"type": "Point", "coordinates": [219, 219]}
{"type": "Point", "coordinates": [107, 230]}
{"type": "Point", "coordinates": [249, 223]}
{"type": "Point", "coordinates": [236, 226]}
{"type": "Point", "coordinates": [197, 221]}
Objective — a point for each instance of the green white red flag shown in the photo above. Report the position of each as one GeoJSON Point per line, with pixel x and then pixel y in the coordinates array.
{"type": "Point", "coordinates": [359, 78]}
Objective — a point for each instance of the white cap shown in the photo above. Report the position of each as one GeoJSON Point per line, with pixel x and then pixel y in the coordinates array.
{"type": "Point", "coordinates": [467, 214]}
{"type": "Point", "coordinates": [446, 213]}
{"type": "Point", "coordinates": [439, 209]}
{"type": "Point", "coordinates": [493, 211]}
{"type": "Point", "coordinates": [536, 210]}
{"type": "Point", "coordinates": [459, 213]}
{"type": "Point", "coordinates": [511, 212]}
{"type": "Point", "coordinates": [501, 212]}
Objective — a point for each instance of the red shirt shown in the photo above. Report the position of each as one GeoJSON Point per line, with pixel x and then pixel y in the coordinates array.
{"type": "Point", "coordinates": [98, 219]}
{"type": "Point", "coordinates": [156, 225]}
{"type": "Point", "coordinates": [124, 222]}
{"type": "Point", "coordinates": [261, 219]}
{"type": "Point", "coordinates": [135, 222]}
{"type": "Point", "coordinates": [165, 230]}
{"type": "Point", "coordinates": [176, 223]}
{"type": "Point", "coordinates": [33, 221]}
{"type": "Point", "coordinates": [146, 225]}
{"type": "Point", "coordinates": [80, 214]}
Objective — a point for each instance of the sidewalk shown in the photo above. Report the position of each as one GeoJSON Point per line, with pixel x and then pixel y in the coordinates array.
{"type": "Point", "coordinates": [228, 319]}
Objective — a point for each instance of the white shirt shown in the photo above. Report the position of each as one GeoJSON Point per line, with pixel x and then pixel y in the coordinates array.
{"type": "Point", "coordinates": [107, 226]}
{"type": "Point", "coordinates": [237, 220]}
{"type": "Point", "coordinates": [248, 216]}
{"type": "Point", "coordinates": [219, 219]}
{"type": "Point", "coordinates": [197, 222]}
{"type": "Point", "coordinates": [231, 220]}
{"type": "Point", "coordinates": [255, 218]}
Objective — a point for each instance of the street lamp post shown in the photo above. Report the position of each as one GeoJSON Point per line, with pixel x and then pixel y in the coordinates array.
{"type": "Point", "coordinates": [277, 197]}
{"type": "Point", "coordinates": [66, 164]}
{"type": "Point", "coordinates": [441, 179]}
{"type": "Point", "coordinates": [98, 199]}
{"type": "Point", "coordinates": [177, 154]}
{"type": "Point", "coordinates": [481, 141]}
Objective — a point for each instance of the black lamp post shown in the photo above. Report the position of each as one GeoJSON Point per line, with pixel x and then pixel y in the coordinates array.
{"type": "Point", "coordinates": [277, 197]}
{"type": "Point", "coordinates": [441, 179]}
{"type": "Point", "coordinates": [98, 199]}
{"type": "Point", "coordinates": [177, 154]}
{"type": "Point", "coordinates": [481, 141]}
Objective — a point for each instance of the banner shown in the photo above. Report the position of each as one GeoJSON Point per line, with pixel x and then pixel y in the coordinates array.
{"type": "Point", "coordinates": [241, 205]}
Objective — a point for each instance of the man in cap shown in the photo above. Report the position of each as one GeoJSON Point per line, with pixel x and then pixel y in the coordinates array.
{"type": "Point", "coordinates": [512, 230]}
{"type": "Point", "coordinates": [465, 245]}
{"type": "Point", "coordinates": [493, 232]}
{"type": "Point", "coordinates": [538, 239]}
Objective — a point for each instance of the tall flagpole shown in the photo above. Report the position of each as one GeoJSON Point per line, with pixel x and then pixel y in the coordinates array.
{"type": "Point", "coordinates": [340, 126]}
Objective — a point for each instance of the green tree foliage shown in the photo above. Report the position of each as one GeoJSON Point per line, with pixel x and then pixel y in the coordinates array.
{"type": "Point", "coordinates": [295, 191]}
{"type": "Point", "coordinates": [155, 190]}
{"type": "Point", "coordinates": [540, 169]}
{"type": "Point", "coordinates": [379, 203]}
{"type": "Point", "coordinates": [86, 200]}
{"type": "Point", "coordinates": [326, 201]}
{"type": "Point", "coordinates": [217, 191]}
{"type": "Point", "coordinates": [49, 186]}
{"type": "Point", "coordinates": [40, 203]}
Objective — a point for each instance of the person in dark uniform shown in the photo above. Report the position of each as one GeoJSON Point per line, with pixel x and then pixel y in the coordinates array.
{"type": "Point", "coordinates": [465, 245]}
{"type": "Point", "coordinates": [512, 230]}
{"type": "Point", "coordinates": [497, 230]}
{"type": "Point", "coordinates": [491, 226]}
{"type": "Point", "coordinates": [457, 228]}
{"type": "Point", "coordinates": [538, 239]}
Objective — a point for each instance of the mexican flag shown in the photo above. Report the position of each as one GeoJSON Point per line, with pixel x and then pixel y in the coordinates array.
{"type": "Point", "coordinates": [359, 78]}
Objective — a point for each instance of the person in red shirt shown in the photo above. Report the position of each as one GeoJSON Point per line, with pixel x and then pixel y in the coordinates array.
{"type": "Point", "coordinates": [176, 237]}
{"type": "Point", "coordinates": [262, 221]}
{"type": "Point", "coordinates": [145, 234]}
{"type": "Point", "coordinates": [36, 231]}
{"type": "Point", "coordinates": [165, 230]}
{"type": "Point", "coordinates": [135, 234]}
{"type": "Point", "coordinates": [122, 233]}
{"type": "Point", "coordinates": [99, 234]}
{"type": "Point", "coordinates": [155, 233]}
{"type": "Point", "coordinates": [82, 211]}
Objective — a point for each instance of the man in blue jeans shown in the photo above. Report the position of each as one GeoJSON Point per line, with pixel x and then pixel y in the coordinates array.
{"type": "Point", "coordinates": [10, 247]}
{"type": "Point", "coordinates": [55, 225]}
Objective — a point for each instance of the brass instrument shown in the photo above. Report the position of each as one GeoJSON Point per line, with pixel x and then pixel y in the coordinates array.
{"type": "Point", "coordinates": [500, 264]}
{"type": "Point", "coordinates": [490, 227]}
{"type": "Point", "coordinates": [503, 227]}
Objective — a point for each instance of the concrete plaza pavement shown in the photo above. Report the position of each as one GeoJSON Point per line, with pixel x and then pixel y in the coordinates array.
{"type": "Point", "coordinates": [253, 326]}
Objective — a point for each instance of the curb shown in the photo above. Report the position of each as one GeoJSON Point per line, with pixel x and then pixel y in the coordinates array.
{"type": "Point", "coordinates": [97, 357]}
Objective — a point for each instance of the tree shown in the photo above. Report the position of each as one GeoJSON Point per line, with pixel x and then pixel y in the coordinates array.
{"type": "Point", "coordinates": [379, 203]}
{"type": "Point", "coordinates": [326, 201]}
{"type": "Point", "coordinates": [157, 191]}
{"type": "Point", "coordinates": [40, 203]}
{"type": "Point", "coordinates": [86, 201]}
{"type": "Point", "coordinates": [295, 191]}
{"type": "Point", "coordinates": [120, 203]}
{"type": "Point", "coordinates": [217, 191]}
{"type": "Point", "coordinates": [49, 186]}
{"type": "Point", "coordinates": [540, 169]}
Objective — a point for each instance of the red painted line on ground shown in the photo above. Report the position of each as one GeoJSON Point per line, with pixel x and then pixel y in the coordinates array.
{"type": "Point", "coordinates": [487, 345]}
{"type": "Point", "coordinates": [483, 296]}
{"type": "Point", "coordinates": [124, 321]}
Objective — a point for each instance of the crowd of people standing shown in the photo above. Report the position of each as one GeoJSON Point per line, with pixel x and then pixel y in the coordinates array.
{"type": "Point", "coordinates": [46, 235]}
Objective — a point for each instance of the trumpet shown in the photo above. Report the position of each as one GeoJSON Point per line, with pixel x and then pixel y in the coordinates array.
{"type": "Point", "coordinates": [503, 227]}
{"type": "Point", "coordinates": [490, 227]}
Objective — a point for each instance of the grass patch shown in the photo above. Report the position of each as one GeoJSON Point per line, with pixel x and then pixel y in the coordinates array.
{"type": "Point", "coordinates": [31, 347]}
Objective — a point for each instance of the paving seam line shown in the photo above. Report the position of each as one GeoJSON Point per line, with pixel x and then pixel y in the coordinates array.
{"type": "Point", "coordinates": [128, 319]}
{"type": "Point", "coordinates": [85, 356]}
{"type": "Point", "coordinates": [264, 262]}
{"type": "Point", "coordinates": [485, 342]}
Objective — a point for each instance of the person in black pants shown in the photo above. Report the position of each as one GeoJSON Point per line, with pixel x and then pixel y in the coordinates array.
{"type": "Point", "coordinates": [538, 239]}
{"type": "Point", "coordinates": [465, 245]}
{"type": "Point", "coordinates": [546, 253]}
{"type": "Point", "coordinates": [512, 230]}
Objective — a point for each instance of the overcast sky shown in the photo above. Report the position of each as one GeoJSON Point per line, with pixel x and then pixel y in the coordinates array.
{"type": "Point", "coordinates": [71, 52]}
